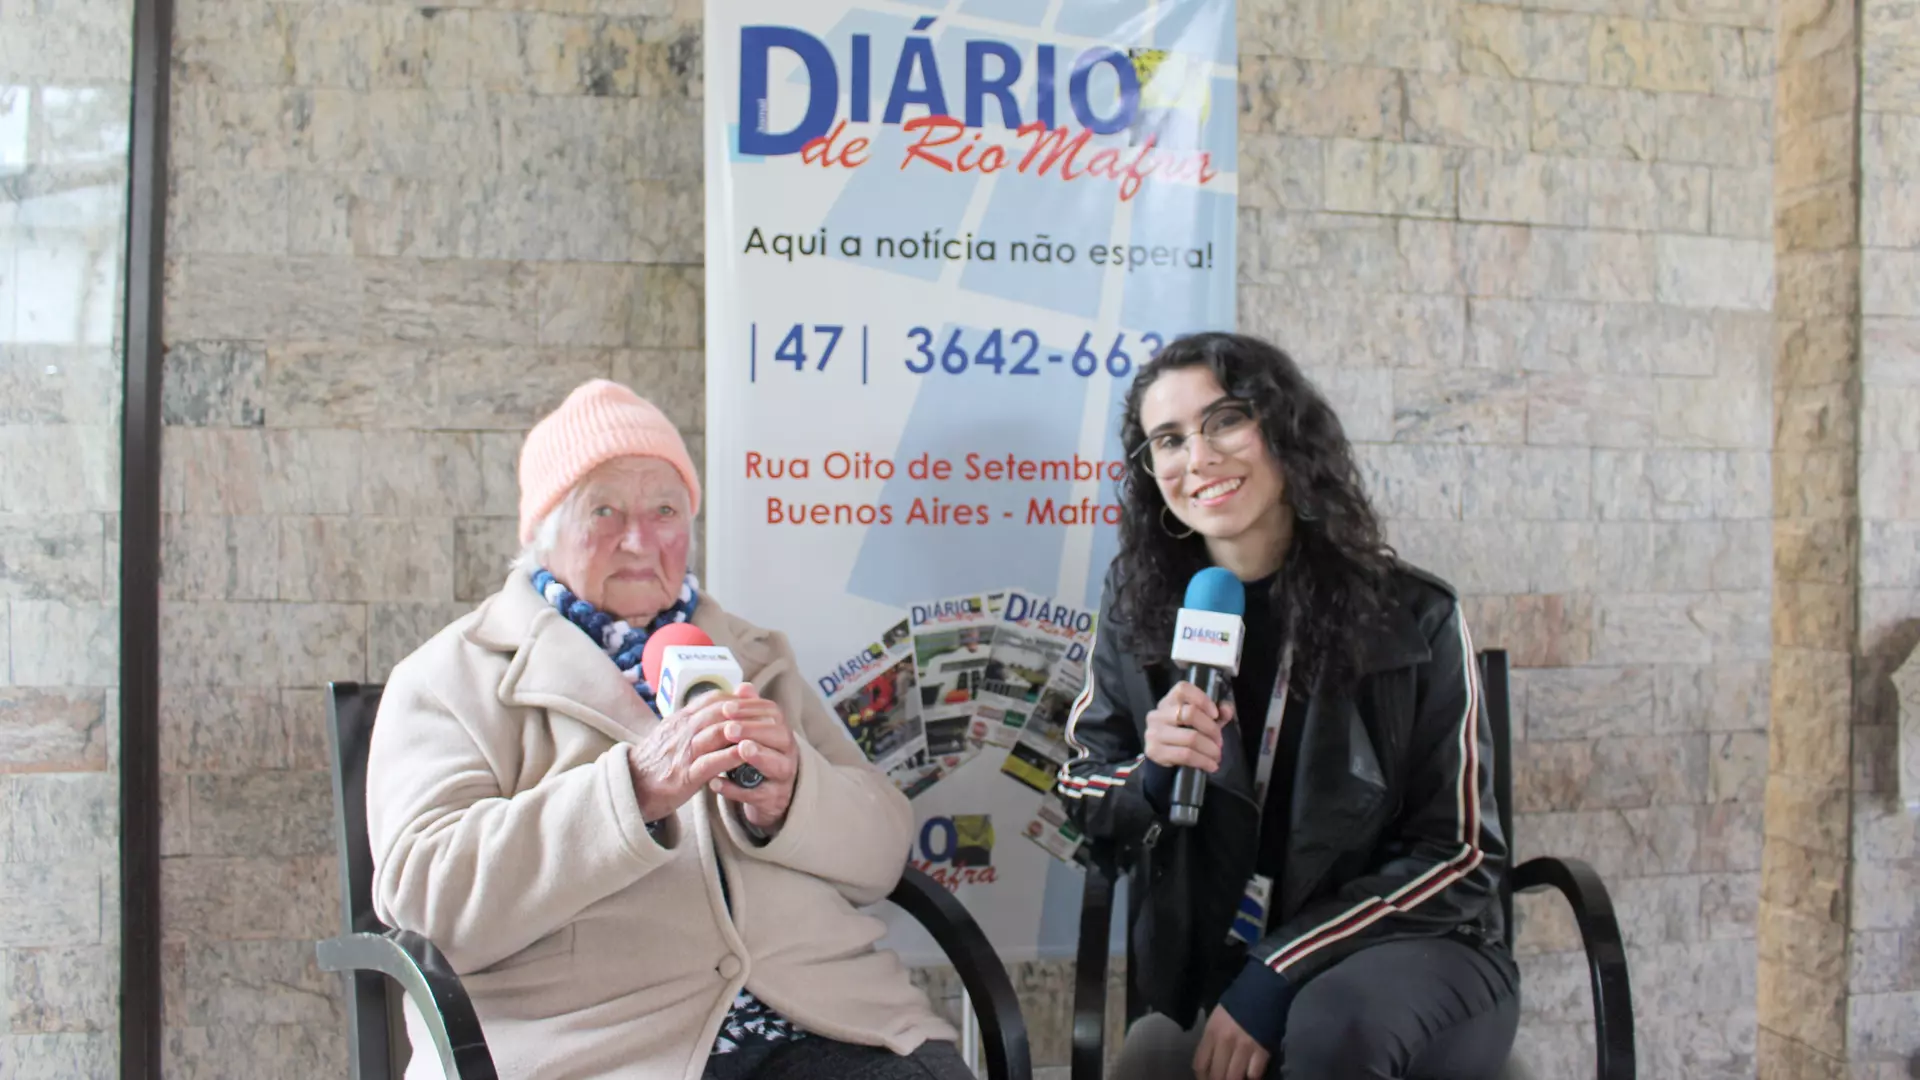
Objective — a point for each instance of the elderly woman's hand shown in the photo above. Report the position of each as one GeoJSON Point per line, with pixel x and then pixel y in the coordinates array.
{"type": "Point", "coordinates": [715, 734]}
{"type": "Point", "coordinates": [765, 742]}
{"type": "Point", "coordinates": [683, 753]}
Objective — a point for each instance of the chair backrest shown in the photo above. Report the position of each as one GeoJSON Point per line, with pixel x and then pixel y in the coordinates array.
{"type": "Point", "coordinates": [351, 708]}
{"type": "Point", "coordinates": [377, 1045]}
{"type": "Point", "coordinates": [1495, 685]}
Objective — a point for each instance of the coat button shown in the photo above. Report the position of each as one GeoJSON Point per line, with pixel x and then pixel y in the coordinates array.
{"type": "Point", "coordinates": [729, 967]}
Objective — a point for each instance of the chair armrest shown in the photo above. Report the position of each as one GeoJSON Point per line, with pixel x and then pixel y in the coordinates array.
{"type": "Point", "coordinates": [1606, 956]}
{"type": "Point", "coordinates": [1090, 973]}
{"type": "Point", "coordinates": [423, 972]}
{"type": "Point", "coordinates": [1003, 1028]}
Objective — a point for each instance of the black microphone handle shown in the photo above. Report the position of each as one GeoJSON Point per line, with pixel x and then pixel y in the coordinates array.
{"type": "Point", "coordinates": [743, 774]}
{"type": "Point", "coordinates": [1189, 783]}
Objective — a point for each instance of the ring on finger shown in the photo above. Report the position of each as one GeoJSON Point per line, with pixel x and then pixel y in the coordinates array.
{"type": "Point", "coordinates": [1180, 715]}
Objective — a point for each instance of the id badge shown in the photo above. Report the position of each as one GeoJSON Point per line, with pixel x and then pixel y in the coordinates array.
{"type": "Point", "coordinates": [1250, 919]}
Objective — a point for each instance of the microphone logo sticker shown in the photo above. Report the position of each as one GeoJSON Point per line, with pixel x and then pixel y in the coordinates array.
{"type": "Point", "coordinates": [1206, 635]}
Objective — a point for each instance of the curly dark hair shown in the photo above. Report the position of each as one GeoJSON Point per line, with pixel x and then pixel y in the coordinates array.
{"type": "Point", "coordinates": [1331, 585]}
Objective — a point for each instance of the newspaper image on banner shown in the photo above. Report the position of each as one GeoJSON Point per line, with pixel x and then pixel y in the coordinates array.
{"type": "Point", "coordinates": [1040, 750]}
{"type": "Point", "coordinates": [1037, 643]}
{"type": "Point", "coordinates": [952, 646]}
{"type": "Point", "coordinates": [1057, 836]}
{"type": "Point", "coordinates": [876, 695]}
{"type": "Point", "coordinates": [941, 240]}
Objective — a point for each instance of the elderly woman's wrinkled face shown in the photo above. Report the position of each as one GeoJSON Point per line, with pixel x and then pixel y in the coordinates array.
{"type": "Point", "coordinates": [624, 538]}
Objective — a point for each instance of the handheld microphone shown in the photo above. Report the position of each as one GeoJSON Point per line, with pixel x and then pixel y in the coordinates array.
{"type": "Point", "coordinates": [681, 663]}
{"type": "Point", "coordinates": [1206, 638]}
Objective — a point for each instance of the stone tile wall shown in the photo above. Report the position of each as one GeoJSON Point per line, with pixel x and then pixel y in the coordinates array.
{"type": "Point", "coordinates": [1526, 250]}
{"type": "Point", "coordinates": [1526, 247]}
{"type": "Point", "coordinates": [64, 73]}
{"type": "Point", "coordinates": [1838, 930]}
{"type": "Point", "coordinates": [1883, 1006]}
{"type": "Point", "coordinates": [1803, 919]}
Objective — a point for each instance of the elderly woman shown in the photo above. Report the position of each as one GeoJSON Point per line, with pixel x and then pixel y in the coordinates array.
{"type": "Point", "coordinates": [614, 903]}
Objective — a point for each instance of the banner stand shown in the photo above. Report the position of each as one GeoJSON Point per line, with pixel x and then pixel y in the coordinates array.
{"type": "Point", "coordinates": [942, 238]}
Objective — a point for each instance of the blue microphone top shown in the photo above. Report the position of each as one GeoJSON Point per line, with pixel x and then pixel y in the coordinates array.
{"type": "Point", "coordinates": [1216, 589]}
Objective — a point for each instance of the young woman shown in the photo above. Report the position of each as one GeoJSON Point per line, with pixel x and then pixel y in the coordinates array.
{"type": "Point", "coordinates": [1334, 913]}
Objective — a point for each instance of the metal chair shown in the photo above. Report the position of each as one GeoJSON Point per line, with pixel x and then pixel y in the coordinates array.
{"type": "Point", "coordinates": [1577, 881]}
{"type": "Point", "coordinates": [369, 953]}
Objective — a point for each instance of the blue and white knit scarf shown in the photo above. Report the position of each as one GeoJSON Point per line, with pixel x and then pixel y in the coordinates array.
{"type": "Point", "coordinates": [623, 643]}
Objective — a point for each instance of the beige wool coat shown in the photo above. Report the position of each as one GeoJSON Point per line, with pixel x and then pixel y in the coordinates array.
{"type": "Point", "coordinates": [505, 828]}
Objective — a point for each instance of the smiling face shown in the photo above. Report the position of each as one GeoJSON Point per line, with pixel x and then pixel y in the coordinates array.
{"type": "Point", "coordinates": [1226, 486]}
{"type": "Point", "coordinates": [623, 538]}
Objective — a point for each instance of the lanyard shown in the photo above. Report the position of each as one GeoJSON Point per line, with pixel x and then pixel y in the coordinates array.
{"type": "Point", "coordinates": [1270, 735]}
{"type": "Point", "coordinates": [1250, 917]}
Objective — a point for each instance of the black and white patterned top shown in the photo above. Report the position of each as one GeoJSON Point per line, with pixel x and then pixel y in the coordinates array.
{"type": "Point", "coordinates": [751, 1020]}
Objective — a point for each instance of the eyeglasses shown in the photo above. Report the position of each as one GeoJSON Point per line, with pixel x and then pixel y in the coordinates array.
{"type": "Point", "coordinates": [1229, 428]}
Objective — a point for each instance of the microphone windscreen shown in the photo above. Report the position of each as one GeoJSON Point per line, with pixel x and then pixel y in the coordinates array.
{"type": "Point", "coordinates": [1212, 589]}
{"type": "Point", "coordinates": [670, 636]}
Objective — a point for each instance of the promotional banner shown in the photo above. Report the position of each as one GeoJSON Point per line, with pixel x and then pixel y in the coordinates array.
{"type": "Point", "coordinates": [941, 239]}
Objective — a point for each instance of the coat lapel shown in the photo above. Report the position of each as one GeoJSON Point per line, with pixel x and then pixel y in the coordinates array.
{"type": "Point", "coordinates": [1236, 772]}
{"type": "Point", "coordinates": [1339, 786]}
{"type": "Point", "coordinates": [1329, 806]}
{"type": "Point", "coordinates": [555, 665]}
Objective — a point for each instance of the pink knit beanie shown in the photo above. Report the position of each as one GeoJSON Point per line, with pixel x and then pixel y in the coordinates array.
{"type": "Point", "coordinates": [601, 420]}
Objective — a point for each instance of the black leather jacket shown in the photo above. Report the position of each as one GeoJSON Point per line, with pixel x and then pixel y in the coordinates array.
{"type": "Point", "coordinates": [1395, 833]}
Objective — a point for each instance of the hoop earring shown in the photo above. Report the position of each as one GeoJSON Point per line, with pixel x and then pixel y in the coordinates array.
{"type": "Point", "coordinates": [1300, 513]}
{"type": "Point", "coordinates": [1170, 532]}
